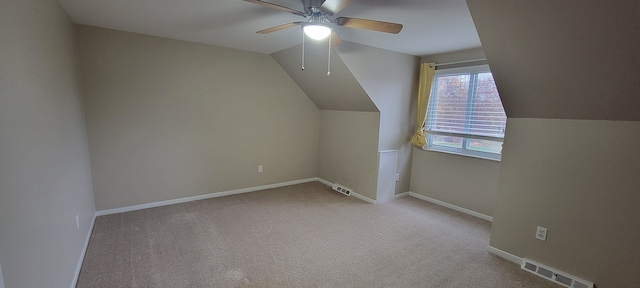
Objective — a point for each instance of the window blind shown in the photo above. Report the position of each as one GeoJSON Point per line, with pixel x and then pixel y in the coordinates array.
{"type": "Point", "coordinates": [467, 104]}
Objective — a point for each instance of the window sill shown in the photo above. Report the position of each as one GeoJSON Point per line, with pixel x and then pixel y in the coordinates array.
{"type": "Point", "coordinates": [460, 154]}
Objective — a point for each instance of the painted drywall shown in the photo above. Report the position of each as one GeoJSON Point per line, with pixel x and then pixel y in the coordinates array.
{"type": "Point", "coordinates": [338, 91]}
{"type": "Point", "coordinates": [170, 119]}
{"type": "Point", "coordinates": [349, 150]}
{"type": "Point", "coordinates": [467, 182]}
{"type": "Point", "coordinates": [563, 59]}
{"type": "Point", "coordinates": [391, 81]}
{"type": "Point", "coordinates": [568, 60]}
{"type": "Point", "coordinates": [579, 179]}
{"type": "Point", "coordinates": [362, 79]}
{"type": "Point", "coordinates": [45, 174]}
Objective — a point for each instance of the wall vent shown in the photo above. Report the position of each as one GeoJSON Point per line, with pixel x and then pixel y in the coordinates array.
{"type": "Point", "coordinates": [555, 275]}
{"type": "Point", "coordinates": [342, 189]}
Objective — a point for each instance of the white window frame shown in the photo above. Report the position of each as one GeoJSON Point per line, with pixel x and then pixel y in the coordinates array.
{"type": "Point", "coordinates": [466, 138]}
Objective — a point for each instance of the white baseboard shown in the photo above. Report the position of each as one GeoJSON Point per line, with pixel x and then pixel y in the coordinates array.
{"type": "Point", "coordinates": [451, 206]}
{"type": "Point", "coordinates": [325, 182]}
{"type": "Point", "coordinates": [398, 196]}
{"type": "Point", "coordinates": [201, 197]}
{"type": "Point", "coordinates": [84, 251]}
{"type": "Point", "coordinates": [354, 194]}
{"type": "Point", "coordinates": [505, 255]}
{"type": "Point", "coordinates": [363, 198]}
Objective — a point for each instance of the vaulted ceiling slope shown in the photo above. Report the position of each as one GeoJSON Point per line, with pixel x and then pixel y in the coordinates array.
{"type": "Point", "coordinates": [338, 91]}
{"type": "Point", "coordinates": [563, 59]}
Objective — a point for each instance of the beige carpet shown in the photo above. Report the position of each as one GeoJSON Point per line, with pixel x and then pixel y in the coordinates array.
{"type": "Point", "coordinates": [297, 236]}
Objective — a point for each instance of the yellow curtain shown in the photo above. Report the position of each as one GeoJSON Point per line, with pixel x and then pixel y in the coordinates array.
{"type": "Point", "coordinates": [427, 73]}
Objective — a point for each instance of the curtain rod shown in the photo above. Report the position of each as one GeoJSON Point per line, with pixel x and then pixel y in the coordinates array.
{"type": "Point", "coordinates": [457, 62]}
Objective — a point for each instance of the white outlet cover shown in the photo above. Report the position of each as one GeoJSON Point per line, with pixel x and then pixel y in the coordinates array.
{"type": "Point", "coordinates": [541, 233]}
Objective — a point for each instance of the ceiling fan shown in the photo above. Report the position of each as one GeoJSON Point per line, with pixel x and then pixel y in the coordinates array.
{"type": "Point", "coordinates": [320, 21]}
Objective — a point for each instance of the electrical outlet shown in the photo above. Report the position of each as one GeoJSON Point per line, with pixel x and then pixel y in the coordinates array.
{"type": "Point", "coordinates": [77, 221]}
{"type": "Point", "coordinates": [541, 233]}
{"type": "Point", "coordinates": [397, 177]}
{"type": "Point", "coordinates": [259, 168]}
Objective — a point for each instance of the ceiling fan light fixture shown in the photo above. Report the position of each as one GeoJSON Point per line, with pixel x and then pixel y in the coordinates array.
{"type": "Point", "coordinates": [316, 31]}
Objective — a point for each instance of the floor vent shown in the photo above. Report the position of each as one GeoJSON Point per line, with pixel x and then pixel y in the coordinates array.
{"type": "Point", "coordinates": [342, 189]}
{"type": "Point", "coordinates": [555, 275]}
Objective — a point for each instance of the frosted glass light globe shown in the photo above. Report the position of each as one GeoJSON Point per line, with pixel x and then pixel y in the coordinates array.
{"type": "Point", "coordinates": [316, 31]}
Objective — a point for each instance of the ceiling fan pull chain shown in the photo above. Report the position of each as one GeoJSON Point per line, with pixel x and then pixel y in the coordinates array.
{"type": "Point", "coordinates": [329, 62]}
{"type": "Point", "coordinates": [302, 50]}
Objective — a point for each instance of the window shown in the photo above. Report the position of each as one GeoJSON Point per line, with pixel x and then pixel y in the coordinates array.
{"type": "Point", "coordinates": [465, 113]}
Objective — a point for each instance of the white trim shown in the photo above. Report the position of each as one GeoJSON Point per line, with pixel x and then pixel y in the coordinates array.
{"type": "Point", "coordinates": [398, 196]}
{"type": "Point", "coordinates": [354, 194]}
{"type": "Point", "coordinates": [325, 182]}
{"type": "Point", "coordinates": [451, 206]}
{"type": "Point", "coordinates": [201, 197]}
{"type": "Point", "coordinates": [505, 255]}
{"type": "Point", "coordinates": [84, 251]}
{"type": "Point", "coordinates": [363, 198]}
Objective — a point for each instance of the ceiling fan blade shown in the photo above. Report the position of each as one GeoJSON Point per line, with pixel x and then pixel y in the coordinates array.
{"type": "Point", "coordinates": [278, 28]}
{"type": "Point", "coordinates": [335, 39]}
{"type": "Point", "coordinates": [276, 6]}
{"type": "Point", "coordinates": [381, 26]}
{"type": "Point", "coordinates": [334, 6]}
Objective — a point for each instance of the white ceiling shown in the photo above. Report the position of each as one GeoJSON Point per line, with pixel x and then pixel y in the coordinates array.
{"type": "Point", "coordinates": [430, 26]}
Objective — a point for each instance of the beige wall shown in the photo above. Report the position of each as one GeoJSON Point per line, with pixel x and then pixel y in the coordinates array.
{"type": "Point", "coordinates": [362, 78]}
{"type": "Point", "coordinates": [467, 182]}
{"type": "Point", "coordinates": [568, 60]}
{"type": "Point", "coordinates": [391, 81]}
{"type": "Point", "coordinates": [579, 179]}
{"type": "Point", "coordinates": [349, 150]}
{"type": "Point", "coordinates": [170, 119]}
{"type": "Point", "coordinates": [45, 175]}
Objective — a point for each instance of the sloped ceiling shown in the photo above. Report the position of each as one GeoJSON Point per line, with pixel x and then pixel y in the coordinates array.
{"type": "Point", "coordinates": [563, 59]}
{"type": "Point", "coordinates": [338, 91]}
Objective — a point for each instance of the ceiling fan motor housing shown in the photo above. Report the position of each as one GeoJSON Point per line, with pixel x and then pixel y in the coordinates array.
{"type": "Point", "coordinates": [319, 11]}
